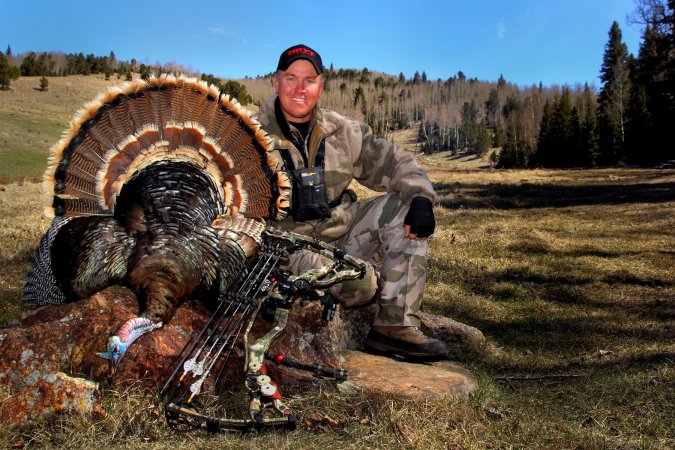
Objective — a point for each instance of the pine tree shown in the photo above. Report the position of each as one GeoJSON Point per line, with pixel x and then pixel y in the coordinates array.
{"type": "Point", "coordinates": [652, 103]}
{"type": "Point", "coordinates": [237, 90]}
{"type": "Point", "coordinates": [558, 135]}
{"type": "Point", "coordinates": [145, 72]}
{"type": "Point", "coordinates": [614, 98]}
{"type": "Point", "coordinates": [5, 73]}
{"type": "Point", "coordinates": [492, 108]}
{"type": "Point", "coordinates": [588, 133]}
{"type": "Point", "coordinates": [30, 66]}
{"type": "Point", "coordinates": [545, 142]}
{"type": "Point", "coordinates": [501, 82]}
{"type": "Point", "coordinates": [515, 152]}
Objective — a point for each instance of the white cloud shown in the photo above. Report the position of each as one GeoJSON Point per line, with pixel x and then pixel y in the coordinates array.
{"type": "Point", "coordinates": [501, 29]}
{"type": "Point", "coordinates": [229, 34]}
{"type": "Point", "coordinates": [222, 31]}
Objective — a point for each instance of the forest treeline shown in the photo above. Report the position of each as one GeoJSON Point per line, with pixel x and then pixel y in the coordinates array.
{"type": "Point", "coordinates": [626, 121]}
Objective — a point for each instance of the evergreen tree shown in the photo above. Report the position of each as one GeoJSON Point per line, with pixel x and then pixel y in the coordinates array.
{"type": "Point", "coordinates": [365, 76]}
{"type": "Point", "coordinates": [30, 66]}
{"type": "Point", "coordinates": [614, 98]}
{"type": "Point", "coordinates": [112, 61]}
{"type": "Point", "coordinates": [231, 87]}
{"type": "Point", "coordinates": [516, 152]}
{"type": "Point", "coordinates": [492, 109]}
{"type": "Point", "coordinates": [652, 102]}
{"type": "Point", "coordinates": [44, 84]}
{"type": "Point", "coordinates": [144, 72]}
{"type": "Point", "coordinates": [546, 139]}
{"type": "Point", "coordinates": [588, 132]}
{"type": "Point", "coordinates": [501, 82]}
{"type": "Point", "coordinates": [511, 154]}
{"type": "Point", "coordinates": [559, 134]}
{"type": "Point", "coordinates": [5, 72]}
{"type": "Point", "coordinates": [237, 90]}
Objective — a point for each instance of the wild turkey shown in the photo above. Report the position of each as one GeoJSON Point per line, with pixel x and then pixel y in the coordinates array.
{"type": "Point", "coordinates": [158, 186]}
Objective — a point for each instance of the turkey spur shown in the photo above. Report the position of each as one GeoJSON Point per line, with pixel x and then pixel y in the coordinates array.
{"type": "Point", "coordinates": [162, 186]}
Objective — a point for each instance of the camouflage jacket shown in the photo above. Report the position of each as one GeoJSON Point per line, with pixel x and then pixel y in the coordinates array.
{"type": "Point", "coordinates": [352, 151]}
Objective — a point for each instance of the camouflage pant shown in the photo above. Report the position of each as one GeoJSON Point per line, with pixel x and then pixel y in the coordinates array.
{"type": "Point", "coordinates": [376, 236]}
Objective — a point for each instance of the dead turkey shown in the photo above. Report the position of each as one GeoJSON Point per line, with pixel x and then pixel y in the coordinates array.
{"type": "Point", "coordinates": [160, 186]}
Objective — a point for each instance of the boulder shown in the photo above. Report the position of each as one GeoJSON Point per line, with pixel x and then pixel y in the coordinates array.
{"type": "Point", "coordinates": [48, 362]}
{"type": "Point", "coordinates": [432, 379]}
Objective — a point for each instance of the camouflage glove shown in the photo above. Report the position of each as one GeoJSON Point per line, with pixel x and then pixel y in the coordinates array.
{"type": "Point", "coordinates": [420, 217]}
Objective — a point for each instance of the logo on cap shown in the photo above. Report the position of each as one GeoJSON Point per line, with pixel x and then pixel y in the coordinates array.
{"type": "Point", "coordinates": [301, 50]}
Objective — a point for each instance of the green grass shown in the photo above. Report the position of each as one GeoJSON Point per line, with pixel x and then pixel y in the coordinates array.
{"type": "Point", "coordinates": [31, 121]}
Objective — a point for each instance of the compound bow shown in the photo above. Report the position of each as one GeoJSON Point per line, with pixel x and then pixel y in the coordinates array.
{"type": "Point", "coordinates": [262, 289]}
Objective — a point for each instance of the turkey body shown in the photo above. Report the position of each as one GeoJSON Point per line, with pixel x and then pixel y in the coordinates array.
{"type": "Point", "coordinates": [136, 186]}
{"type": "Point", "coordinates": [160, 243]}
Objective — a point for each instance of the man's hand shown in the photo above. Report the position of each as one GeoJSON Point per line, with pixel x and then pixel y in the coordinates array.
{"type": "Point", "coordinates": [419, 223]}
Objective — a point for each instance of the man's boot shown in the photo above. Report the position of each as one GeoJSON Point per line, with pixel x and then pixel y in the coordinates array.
{"type": "Point", "coordinates": [408, 342]}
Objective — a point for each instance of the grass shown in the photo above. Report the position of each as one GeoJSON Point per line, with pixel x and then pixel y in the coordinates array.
{"type": "Point", "coordinates": [577, 302]}
{"type": "Point", "coordinates": [569, 274]}
{"type": "Point", "coordinates": [31, 121]}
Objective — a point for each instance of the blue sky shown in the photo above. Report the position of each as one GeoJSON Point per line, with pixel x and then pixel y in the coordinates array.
{"type": "Point", "coordinates": [526, 41]}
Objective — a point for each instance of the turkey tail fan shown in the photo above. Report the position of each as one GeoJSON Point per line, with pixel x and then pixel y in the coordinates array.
{"type": "Point", "coordinates": [163, 120]}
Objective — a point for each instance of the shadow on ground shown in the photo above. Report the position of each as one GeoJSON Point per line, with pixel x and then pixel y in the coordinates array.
{"type": "Point", "coordinates": [509, 196]}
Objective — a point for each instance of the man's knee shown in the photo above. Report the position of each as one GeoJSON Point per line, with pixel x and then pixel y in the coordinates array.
{"type": "Point", "coordinates": [359, 292]}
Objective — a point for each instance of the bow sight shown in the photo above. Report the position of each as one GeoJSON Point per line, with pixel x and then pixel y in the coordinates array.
{"type": "Point", "coordinates": [263, 289]}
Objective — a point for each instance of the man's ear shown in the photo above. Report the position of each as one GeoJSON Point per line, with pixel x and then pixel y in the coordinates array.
{"type": "Point", "coordinates": [275, 78]}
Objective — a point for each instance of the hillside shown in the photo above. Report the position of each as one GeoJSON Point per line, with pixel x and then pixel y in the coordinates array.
{"type": "Point", "coordinates": [31, 121]}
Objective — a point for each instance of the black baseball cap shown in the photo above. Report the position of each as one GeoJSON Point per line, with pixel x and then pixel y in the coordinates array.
{"type": "Point", "coordinates": [300, 52]}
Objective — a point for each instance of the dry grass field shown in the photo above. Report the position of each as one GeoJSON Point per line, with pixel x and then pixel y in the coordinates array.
{"type": "Point", "coordinates": [569, 274]}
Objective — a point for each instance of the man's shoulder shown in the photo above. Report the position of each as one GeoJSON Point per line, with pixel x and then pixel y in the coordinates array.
{"type": "Point", "coordinates": [336, 119]}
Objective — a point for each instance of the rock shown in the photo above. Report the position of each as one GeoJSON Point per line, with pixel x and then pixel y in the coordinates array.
{"type": "Point", "coordinates": [40, 396]}
{"type": "Point", "coordinates": [67, 337]}
{"type": "Point", "coordinates": [50, 340]}
{"type": "Point", "coordinates": [41, 354]}
{"type": "Point", "coordinates": [440, 378]}
{"type": "Point", "coordinates": [48, 362]}
{"type": "Point", "coordinates": [459, 336]}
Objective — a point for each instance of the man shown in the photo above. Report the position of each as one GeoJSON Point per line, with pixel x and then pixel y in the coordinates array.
{"type": "Point", "coordinates": [323, 152]}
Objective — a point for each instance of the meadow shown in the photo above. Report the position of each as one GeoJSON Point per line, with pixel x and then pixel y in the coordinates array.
{"type": "Point", "coordinates": [568, 273]}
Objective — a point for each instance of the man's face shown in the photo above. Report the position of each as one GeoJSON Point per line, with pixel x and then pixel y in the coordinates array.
{"type": "Point", "coordinates": [299, 88]}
